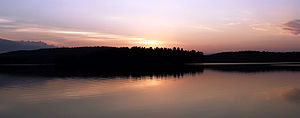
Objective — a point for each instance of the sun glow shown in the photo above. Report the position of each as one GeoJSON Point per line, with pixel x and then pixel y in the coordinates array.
{"type": "Point", "coordinates": [149, 43]}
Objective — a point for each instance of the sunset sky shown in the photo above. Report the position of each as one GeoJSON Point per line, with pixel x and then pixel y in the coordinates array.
{"type": "Point", "coordinates": [205, 25]}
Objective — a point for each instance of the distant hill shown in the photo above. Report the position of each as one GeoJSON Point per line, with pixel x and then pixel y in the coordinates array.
{"type": "Point", "coordinates": [253, 56]}
{"type": "Point", "coordinates": [103, 56]}
{"type": "Point", "coordinates": [8, 45]}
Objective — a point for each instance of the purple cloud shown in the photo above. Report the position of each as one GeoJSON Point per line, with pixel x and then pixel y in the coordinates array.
{"type": "Point", "coordinates": [292, 27]}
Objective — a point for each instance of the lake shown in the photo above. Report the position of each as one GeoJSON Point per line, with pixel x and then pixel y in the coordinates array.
{"type": "Point", "coordinates": [243, 91]}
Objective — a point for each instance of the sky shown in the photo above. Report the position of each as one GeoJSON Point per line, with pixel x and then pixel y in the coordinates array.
{"type": "Point", "coordinates": [205, 25]}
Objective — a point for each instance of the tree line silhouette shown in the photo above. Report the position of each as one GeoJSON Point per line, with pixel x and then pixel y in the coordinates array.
{"type": "Point", "coordinates": [138, 56]}
{"type": "Point", "coordinates": [253, 56]}
{"type": "Point", "coordinates": [103, 56]}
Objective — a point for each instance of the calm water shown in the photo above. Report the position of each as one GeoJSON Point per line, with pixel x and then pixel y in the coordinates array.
{"type": "Point", "coordinates": [210, 93]}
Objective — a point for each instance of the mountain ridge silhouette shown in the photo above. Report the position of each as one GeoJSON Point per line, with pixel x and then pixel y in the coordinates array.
{"type": "Point", "coordinates": [9, 45]}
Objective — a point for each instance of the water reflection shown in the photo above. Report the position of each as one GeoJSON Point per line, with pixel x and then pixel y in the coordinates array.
{"type": "Point", "coordinates": [291, 94]}
{"type": "Point", "coordinates": [202, 93]}
{"type": "Point", "coordinates": [255, 68]}
{"type": "Point", "coordinates": [73, 89]}
{"type": "Point", "coordinates": [88, 72]}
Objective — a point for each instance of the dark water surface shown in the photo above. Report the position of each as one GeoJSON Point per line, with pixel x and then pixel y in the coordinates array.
{"type": "Point", "coordinates": [211, 92]}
